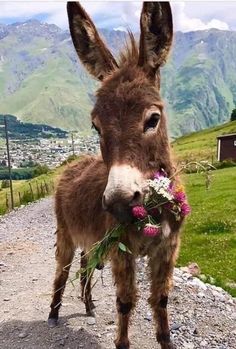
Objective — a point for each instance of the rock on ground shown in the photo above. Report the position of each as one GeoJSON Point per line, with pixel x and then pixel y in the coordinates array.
{"type": "Point", "coordinates": [201, 316]}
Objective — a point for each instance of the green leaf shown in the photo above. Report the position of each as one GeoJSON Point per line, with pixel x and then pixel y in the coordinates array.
{"type": "Point", "coordinates": [124, 248]}
{"type": "Point", "coordinates": [116, 233]}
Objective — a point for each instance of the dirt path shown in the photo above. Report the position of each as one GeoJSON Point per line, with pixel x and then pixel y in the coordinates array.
{"type": "Point", "coordinates": [201, 316]}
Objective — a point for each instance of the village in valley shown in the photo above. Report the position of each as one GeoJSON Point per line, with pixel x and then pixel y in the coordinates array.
{"type": "Point", "coordinates": [50, 151]}
{"type": "Point", "coordinates": [33, 145]}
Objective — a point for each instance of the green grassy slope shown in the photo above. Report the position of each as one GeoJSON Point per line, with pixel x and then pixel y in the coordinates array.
{"type": "Point", "coordinates": [47, 98]}
{"type": "Point", "coordinates": [209, 234]}
{"type": "Point", "coordinates": [40, 78]}
{"type": "Point", "coordinates": [201, 145]}
{"type": "Point", "coordinates": [53, 95]}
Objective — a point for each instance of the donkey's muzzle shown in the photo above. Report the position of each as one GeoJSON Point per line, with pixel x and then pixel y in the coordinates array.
{"type": "Point", "coordinates": [121, 206]}
{"type": "Point", "coordinates": [121, 212]}
{"type": "Point", "coordinates": [123, 191]}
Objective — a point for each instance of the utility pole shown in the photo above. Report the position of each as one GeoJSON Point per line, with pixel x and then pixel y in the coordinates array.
{"type": "Point", "coordinates": [9, 161]}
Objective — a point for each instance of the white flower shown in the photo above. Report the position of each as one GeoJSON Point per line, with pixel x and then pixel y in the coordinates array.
{"type": "Point", "coordinates": [161, 187]}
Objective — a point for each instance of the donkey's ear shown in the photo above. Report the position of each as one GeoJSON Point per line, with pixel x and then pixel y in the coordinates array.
{"type": "Point", "coordinates": [156, 35]}
{"type": "Point", "coordinates": [90, 48]}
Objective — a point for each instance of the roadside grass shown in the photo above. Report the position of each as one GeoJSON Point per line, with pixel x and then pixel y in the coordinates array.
{"type": "Point", "coordinates": [41, 186]}
{"type": "Point", "coordinates": [209, 234]}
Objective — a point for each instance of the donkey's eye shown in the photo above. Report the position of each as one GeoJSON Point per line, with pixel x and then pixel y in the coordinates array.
{"type": "Point", "coordinates": [96, 128]}
{"type": "Point", "coordinates": [152, 122]}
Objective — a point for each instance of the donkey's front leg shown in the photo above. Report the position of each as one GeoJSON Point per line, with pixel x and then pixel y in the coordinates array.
{"type": "Point", "coordinates": [161, 266]}
{"type": "Point", "coordinates": [123, 268]}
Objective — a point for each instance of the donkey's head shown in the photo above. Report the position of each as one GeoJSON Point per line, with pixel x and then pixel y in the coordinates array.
{"type": "Point", "coordinates": [128, 114]}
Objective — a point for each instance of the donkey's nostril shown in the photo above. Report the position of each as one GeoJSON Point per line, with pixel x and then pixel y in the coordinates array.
{"type": "Point", "coordinates": [136, 198]}
{"type": "Point", "coordinates": [104, 205]}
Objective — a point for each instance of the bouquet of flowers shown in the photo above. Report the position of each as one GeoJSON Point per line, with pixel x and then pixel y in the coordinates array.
{"type": "Point", "coordinates": [162, 194]}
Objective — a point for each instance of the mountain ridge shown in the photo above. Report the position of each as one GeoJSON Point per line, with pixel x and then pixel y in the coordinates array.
{"type": "Point", "coordinates": [41, 79]}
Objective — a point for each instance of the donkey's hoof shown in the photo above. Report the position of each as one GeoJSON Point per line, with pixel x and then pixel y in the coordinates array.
{"type": "Point", "coordinates": [122, 345]}
{"type": "Point", "coordinates": [52, 322]}
{"type": "Point", "coordinates": [92, 306]}
{"type": "Point", "coordinates": [168, 345]}
{"type": "Point", "coordinates": [90, 313]}
{"type": "Point", "coordinates": [89, 309]}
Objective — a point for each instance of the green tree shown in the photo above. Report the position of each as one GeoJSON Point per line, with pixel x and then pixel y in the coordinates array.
{"type": "Point", "coordinates": [40, 169]}
{"type": "Point", "coordinates": [233, 115]}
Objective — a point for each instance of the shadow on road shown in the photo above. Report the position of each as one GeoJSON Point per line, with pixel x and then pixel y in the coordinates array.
{"type": "Point", "coordinates": [37, 335]}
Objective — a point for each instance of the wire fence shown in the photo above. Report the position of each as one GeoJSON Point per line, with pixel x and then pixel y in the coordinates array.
{"type": "Point", "coordinates": [31, 192]}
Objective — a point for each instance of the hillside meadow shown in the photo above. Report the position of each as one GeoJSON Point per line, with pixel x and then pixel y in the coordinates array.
{"type": "Point", "coordinates": [209, 233]}
{"type": "Point", "coordinates": [201, 145]}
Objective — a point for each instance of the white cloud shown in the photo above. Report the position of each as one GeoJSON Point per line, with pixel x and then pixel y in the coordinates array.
{"type": "Point", "coordinates": [185, 22]}
{"type": "Point", "coordinates": [188, 16]}
{"type": "Point", "coordinates": [58, 17]}
{"type": "Point", "coordinates": [25, 9]}
{"type": "Point", "coordinates": [121, 29]}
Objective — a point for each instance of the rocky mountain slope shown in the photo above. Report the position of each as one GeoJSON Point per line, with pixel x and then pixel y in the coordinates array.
{"type": "Point", "coordinates": [42, 81]}
{"type": "Point", "coordinates": [201, 316]}
{"type": "Point", "coordinates": [200, 80]}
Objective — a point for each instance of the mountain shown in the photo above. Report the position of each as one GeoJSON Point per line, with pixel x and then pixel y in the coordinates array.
{"type": "Point", "coordinates": [25, 131]}
{"type": "Point", "coordinates": [41, 80]}
{"type": "Point", "coordinates": [200, 80]}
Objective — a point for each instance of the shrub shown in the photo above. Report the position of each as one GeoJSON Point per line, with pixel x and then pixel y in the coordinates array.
{"type": "Point", "coordinates": [233, 115]}
{"type": "Point", "coordinates": [24, 173]}
{"type": "Point", "coordinates": [225, 164]}
{"type": "Point", "coordinates": [5, 183]}
{"type": "Point", "coordinates": [40, 169]}
{"type": "Point", "coordinates": [69, 159]}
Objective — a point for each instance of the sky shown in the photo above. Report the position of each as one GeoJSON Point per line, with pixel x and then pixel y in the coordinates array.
{"type": "Point", "coordinates": [120, 15]}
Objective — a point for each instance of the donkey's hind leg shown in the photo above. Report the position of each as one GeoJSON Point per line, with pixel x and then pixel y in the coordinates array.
{"type": "Point", "coordinates": [85, 281]}
{"type": "Point", "coordinates": [64, 256]}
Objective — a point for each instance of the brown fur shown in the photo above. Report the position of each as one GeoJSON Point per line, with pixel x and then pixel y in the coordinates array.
{"type": "Point", "coordinates": [122, 100]}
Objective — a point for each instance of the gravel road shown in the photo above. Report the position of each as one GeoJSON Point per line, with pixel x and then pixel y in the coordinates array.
{"type": "Point", "coordinates": [201, 316]}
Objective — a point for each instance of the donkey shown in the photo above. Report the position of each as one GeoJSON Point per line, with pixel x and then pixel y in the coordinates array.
{"type": "Point", "coordinates": [99, 191]}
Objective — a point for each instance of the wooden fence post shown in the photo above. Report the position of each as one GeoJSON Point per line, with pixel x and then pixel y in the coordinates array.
{"type": "Point", "coordinates": [38, 191]}
{"type": "Point", "coordinates": [20, 200]}
{"type": "Point", "coordinates": [31, 191]}
{"type": "Point", "coordinates": [46, 187]}
{"type": "Point", "coordinates": [52, 183]}
{"type": "Point", "coordinates": [7, 202]}
{"type": "Point", "coordinates": [42, 189]}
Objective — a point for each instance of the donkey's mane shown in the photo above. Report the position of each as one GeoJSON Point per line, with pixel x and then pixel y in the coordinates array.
{"type": "Point", "coordinates": [130, 53]}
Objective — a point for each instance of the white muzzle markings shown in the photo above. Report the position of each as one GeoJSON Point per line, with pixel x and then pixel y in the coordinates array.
{"type": "Point", "coordinates": [123, 182]}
